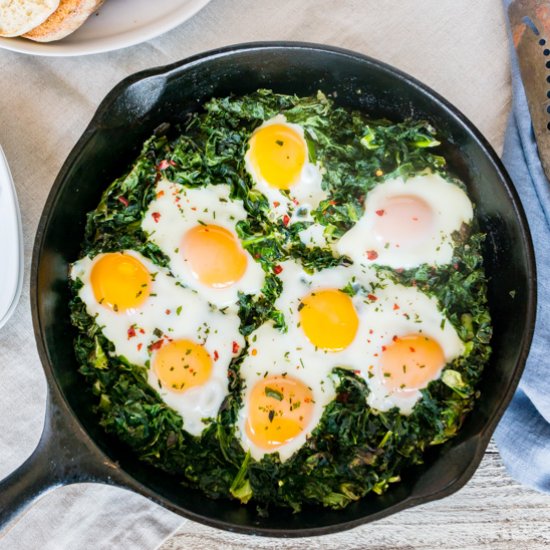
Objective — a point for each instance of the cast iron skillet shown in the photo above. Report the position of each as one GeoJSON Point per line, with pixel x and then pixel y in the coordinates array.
{"type": "Point", "coordinates": [73, 448]}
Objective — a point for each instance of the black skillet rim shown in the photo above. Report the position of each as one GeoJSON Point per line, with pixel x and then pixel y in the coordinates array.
{"type": "Point", "coordinates": [451, 112]}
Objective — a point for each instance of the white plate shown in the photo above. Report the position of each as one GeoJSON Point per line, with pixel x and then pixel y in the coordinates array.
{"type": "Point", "coordinates": [11, 244]}
{"type": "Point", "coordinates": [117, 24]}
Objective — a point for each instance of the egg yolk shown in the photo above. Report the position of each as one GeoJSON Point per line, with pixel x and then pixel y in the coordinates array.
{"type": "Point", "coordinates": [278, 153]}
{"type": "Point", "coordinates": [215, 255]}
{"type": "Point", "coordinates": [120, 281]}
{"type": "Point", "coordinates": [280, 408]}
{"type": "Point", "coordinates": [328, 319]}
{"type": "Point", "coordinates": [182, 364]}
{"type": "Point", "coordinates": [403, 220]}
{"type": "Point", "coordinates": [411, 362]}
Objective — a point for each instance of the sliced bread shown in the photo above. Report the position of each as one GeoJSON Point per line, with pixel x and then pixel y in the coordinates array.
{"type": "Point", "coordinates": [20, 16]}
{"type": "Point", "coordinates": [68, 17]}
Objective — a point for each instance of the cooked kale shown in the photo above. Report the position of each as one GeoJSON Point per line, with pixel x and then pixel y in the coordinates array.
{"type": "Point", "coordinates": [354, 450]}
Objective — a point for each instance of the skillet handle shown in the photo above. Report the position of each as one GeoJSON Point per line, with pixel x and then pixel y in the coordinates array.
{"type": "Point", "coordinates": [64, 455]}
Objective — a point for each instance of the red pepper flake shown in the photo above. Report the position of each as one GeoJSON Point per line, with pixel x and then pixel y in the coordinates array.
{"type": "Point", "coordinates": [254, 351]}
{"type": "Point", "coordinates": [156, 345]}
{"type": "Point", "coordinates": [286, 220]}
{"type": "Point", "coordinates": [141, 331]}
{"type": "Point", "coordinates": [131, 332]}
{"type": "Point", "coordinates": [156, 216]}
{"type": "Point", "coordinates": [412, 349]}
{"type": "Point", "coordinates": [167, 312]}
{"type": "Point", "coordinates": [372, 297]}
{"type": "Point", "coordinates": [357, 371]}
{"type": "Point", "coordinates": [395, 338]}
{"type": "Point", "coordinates": [276, 204]}
{"type": "Point", "coordinates": [163, 164]}
{"type": "Point", "coordinates": [216, 355]}
{"type": "Point", "coordinates": [384, 348]}
{"type": "Point", "coordinates": [380, 212]}
{"type": "Point", "coordinates": [277, 269]}
{"type": "Point", "coordinates": [235, 347]}
{"type": "Point", "coordinates": [307, 400]}
{"type": "Point", "coordinates": [257, 256]}
{"type": "Point", "coordinates": [332, 203]}
{"type": "Point", "coordinates": [123, 200]}
{"type": "Point", "coordinates": [415, 219]}
{"type": "Point", "coordinates": [372, 254]}
{"type": "Point", "coordinates": [160, 194]}
{"type": "Point", "coordinates": [395, 306]}
{"type": "Point", "coordinates": [139, 346]}
{"type": "Point", "coordinates": [295, 201]}
{"type": "Point", "coordinates": [343, 397]}
{"type": "Point", "coordinates": [194, 208]}
{"type": "Point", "coordinates": [230, 373]}
{"type": "Point", "coordinates": [371, 331]}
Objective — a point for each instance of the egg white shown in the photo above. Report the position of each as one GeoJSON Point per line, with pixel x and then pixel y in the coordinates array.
{"type": "Point", "coordinates": [278, 354]}
{"type": "Point", "coordinates": [175, 210]}
{"type": "Point", "coordinates": [384, 309]}
{"type": "Point", "coordinates": [450, 206]}
{"type": "Point", "coordinates": [175, 313]}
{"type": "Point", "coordinates": [399, 311]}
{"type": "Point", "coordinates": [314, 236]}
{"type": "Point", "coordinates": [305, 195]}
{"type": "Point", "coordinates": [292, 353]}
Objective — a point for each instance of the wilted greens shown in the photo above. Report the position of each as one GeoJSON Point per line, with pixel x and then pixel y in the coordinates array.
{"type": "Point", "coordinates": [354, 450]}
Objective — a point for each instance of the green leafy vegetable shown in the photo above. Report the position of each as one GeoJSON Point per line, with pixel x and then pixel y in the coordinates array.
{"type": "Point", "coordinates": [354, 450]}
{"type": "Point", "coordinates": [275, 394]}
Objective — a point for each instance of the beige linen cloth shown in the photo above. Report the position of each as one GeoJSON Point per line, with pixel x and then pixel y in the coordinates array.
{"type": "Point", "coordinates": [456, 46]}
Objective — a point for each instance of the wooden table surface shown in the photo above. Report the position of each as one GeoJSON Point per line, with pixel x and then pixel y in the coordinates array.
{"type": "Point", "coordinates": [491, 512]}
